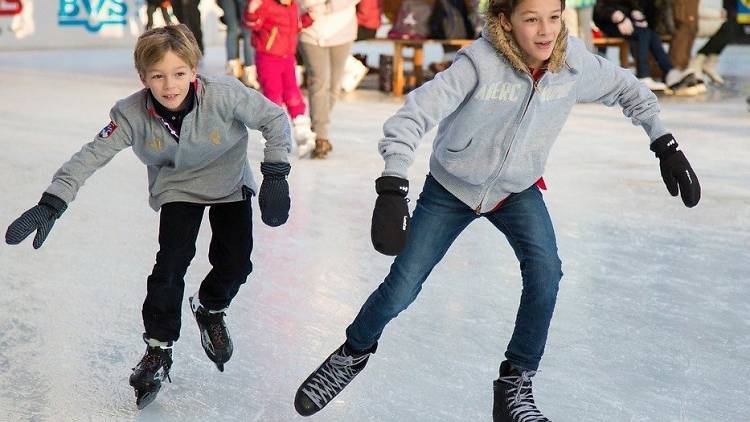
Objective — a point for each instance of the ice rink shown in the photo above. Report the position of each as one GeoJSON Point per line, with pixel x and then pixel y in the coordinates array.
{"type": "Point", "coordinates": [652, 321]}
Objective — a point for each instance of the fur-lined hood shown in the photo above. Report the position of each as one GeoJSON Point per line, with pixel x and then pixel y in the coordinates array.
{"type": "Point", "coordinates": [507, 46]}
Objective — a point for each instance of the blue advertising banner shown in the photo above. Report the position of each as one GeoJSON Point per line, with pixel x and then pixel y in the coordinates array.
{"type": "Point", "coordinates": [92, 14]}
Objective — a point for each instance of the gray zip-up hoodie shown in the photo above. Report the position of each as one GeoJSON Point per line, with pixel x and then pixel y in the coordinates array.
{"type": "Point", "coordinates": [208, 165]}
{"type": "Point", "coordinates": [496, 125]}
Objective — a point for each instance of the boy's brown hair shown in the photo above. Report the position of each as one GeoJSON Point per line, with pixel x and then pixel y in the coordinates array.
{"type": "Point", "coordinates": [153, 44]}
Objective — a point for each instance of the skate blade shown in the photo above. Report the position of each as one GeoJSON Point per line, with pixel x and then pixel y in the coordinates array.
{"type": "Point", "coordinates": [144, 398]}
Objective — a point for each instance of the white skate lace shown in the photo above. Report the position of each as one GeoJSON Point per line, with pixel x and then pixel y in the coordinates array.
{"type": "Point", "coordinates": [520, 399]}
{"type": "Point", "coordinates": [332, 377]}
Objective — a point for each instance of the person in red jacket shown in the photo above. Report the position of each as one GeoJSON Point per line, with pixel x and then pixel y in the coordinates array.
{"type": "Point", "coordinates": [276, 25]}
{"type": "Point", "coordinates": [368, 18]}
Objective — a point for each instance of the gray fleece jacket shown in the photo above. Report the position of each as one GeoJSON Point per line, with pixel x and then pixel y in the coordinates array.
{"type": "Point", "coordinates": [208, 165]}
{"type": "Point", "coordinates": [496, 125]}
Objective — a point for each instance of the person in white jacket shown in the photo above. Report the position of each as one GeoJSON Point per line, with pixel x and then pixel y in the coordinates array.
{"type": "Point", "coordinates": [325, 47]}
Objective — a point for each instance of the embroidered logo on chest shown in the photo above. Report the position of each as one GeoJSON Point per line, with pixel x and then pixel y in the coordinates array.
{"type": "Point", "coordinates": [215, 137]}
{"type": "Point", "coordinates": [156, 144]}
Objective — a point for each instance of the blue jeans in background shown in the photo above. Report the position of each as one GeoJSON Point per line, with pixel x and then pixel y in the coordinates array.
{"type": "Point", "coordinates": [233, 10]}
{"type": "Point", "coordinates": [644, 41]}
{"type": "Point", "coordinates": [438, 220]}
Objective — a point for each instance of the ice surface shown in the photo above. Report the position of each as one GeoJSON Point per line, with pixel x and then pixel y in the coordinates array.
{"type": "Point", "coordinates": [652, 322]}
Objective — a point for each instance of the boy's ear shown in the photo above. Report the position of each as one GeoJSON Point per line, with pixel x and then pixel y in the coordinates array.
{"type": "Point", "coordinates": [505, 23]}
{"type": "Point", "coordinates": [194, 75]}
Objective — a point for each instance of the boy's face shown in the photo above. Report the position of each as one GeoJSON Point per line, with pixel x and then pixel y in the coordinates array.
{"type": "Point", "coordinates": [535, 25]}
{"type": "Point", "coordinates": [169, 81]}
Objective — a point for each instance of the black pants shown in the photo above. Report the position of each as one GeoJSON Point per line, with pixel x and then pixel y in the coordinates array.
{"type": "Point", "coordinates": [229, 255]}
{"type": "Point", "coordinates": [186, 11]}
{"type": "Point", "coordinates": [727, 33]}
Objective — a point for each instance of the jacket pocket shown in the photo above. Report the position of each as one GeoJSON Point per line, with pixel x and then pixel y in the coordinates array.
{"type": "Point", "coordinates": [472, 162]}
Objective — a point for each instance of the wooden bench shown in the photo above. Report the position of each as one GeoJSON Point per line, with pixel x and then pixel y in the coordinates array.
{"type": "Point", "coordinates": [417, 56]}
{"type": "Point", "coordinates": [620, 43]}
{"type": "Point", "coordinates": [623, 46]}
{"type": "Point", "coordinates": [416, 59]}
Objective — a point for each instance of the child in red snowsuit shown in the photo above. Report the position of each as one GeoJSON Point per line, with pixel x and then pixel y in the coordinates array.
{"type": "Point", "coordinates": [276, 25]}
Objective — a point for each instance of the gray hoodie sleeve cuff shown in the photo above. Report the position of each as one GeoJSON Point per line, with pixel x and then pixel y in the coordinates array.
{"type": "Point", "coordinates": [60, 191]}
{"type": "Point", "coordinates": [654, 127]}
{"type": "Point", "coordinates": [275, 155]}
{"type": "Point", "coordinates": [397, 165]}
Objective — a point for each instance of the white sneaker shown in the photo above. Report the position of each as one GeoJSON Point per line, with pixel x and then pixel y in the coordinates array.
{"type": "Point", "coordinates": [696, 64]}
{"type": "Point", "coordinates": [250, 77]}
{"type": "Point", "coordinates": [234, 68]}
{"type": "Point", "coordinates": [354, 72]}
{"type": "Point", "coordinates": [303, 135]}
{"type": "Point", "coordinates": [677, 77]}
{"type": "Point", "coordinates": [652, 84]}
{"type": "Point", "coordinates": [709, 69]}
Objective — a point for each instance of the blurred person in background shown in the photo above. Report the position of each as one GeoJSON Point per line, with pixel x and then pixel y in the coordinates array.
{"type": "Point", "coordinates": [151, 6]}
{"type": "Point", "coordinates": [705, 62]}
{"type": "Point", "coordinates": [369, 13]}
{"type": "Point", "coordinates": [625, 18]}
{"type": "Point", "coordinates": [276, 25]}
{"type": "Point", "coordinates": [186, 11]}
{"type": "Point", "coordinates": [325, 48]}
{"type": "Point", "coordinates": [681, 45]}
{"type": "Point", "coordinates": [578, 15]}
{"type": "Point", "coordinates": [237, 34]}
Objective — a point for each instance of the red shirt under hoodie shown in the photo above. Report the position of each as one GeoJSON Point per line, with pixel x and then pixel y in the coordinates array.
{"type": "Point", "coordinates": [276, 27]}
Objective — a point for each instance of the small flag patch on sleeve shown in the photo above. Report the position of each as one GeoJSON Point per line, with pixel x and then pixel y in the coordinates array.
{"type": "Point", "coordinates": [108, 130]}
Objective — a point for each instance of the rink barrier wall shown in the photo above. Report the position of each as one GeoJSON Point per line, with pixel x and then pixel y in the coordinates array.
{"type": "Point", "coordinates": [52, 24]}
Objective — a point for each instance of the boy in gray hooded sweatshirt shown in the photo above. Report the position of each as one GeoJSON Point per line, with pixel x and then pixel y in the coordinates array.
{"type": "Point", "coordinates": [499, 108]}
{"type": "Point", "coordinates": [191, 132]}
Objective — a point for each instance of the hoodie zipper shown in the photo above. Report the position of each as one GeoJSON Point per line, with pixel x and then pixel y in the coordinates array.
{"type": "Point", "coordinates": [534, 87]}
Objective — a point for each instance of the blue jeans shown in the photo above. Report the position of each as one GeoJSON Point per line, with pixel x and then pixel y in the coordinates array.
{"type": "Point", "coordinates": [438, 220]}
{"type": "Point", "coordinates": [645, 41]}
{"type": "Point", "coordinates": [233, 10]}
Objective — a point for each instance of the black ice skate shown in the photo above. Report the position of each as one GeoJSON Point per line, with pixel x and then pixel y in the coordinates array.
{"type": "Point", "coordinates": [215, 337]}
{"type": "Point", "coordinates": [514, 401]}
{"type": "Point", "coordinates": [150, 372]}
{"type": "Point", "coordinates": [330, 378]}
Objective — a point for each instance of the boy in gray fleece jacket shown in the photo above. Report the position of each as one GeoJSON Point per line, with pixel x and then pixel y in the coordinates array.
{"type": "Point", "coordinates": [191, 132]}
{"type": "Point", "coordinates": [499, 108]}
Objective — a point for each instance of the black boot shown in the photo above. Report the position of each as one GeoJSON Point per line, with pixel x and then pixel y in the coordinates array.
{"type": "Point", "coordinates": [215, 337]}
{"type": "Point", "coordinates": [514, 400]}
{"type": "Point", "coordinates": [330, 378]}
{"type": "Point", "coordinates": [150, 372]}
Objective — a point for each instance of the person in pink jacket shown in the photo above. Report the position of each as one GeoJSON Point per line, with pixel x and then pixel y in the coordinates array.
{"type": "Point", "coordinates": [276, 25]}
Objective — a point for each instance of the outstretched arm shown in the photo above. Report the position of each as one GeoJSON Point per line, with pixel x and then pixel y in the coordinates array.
{"type": "Point", "coordinates": [67, 180]}
{"type": "Point", "coordinates": [425, 107]}
{"type": "Point", "coordinates": [609, 84]}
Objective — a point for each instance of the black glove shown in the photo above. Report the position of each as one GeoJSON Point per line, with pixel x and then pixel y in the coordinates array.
{"type": "Point", "coordinates": [274, 193]}
{"type": "Point", "coordinates": [676, 171]}
{"type": "Point", "coordinates": [390, 218]}
{"type": "Point", "coordinates": [40, 218]}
